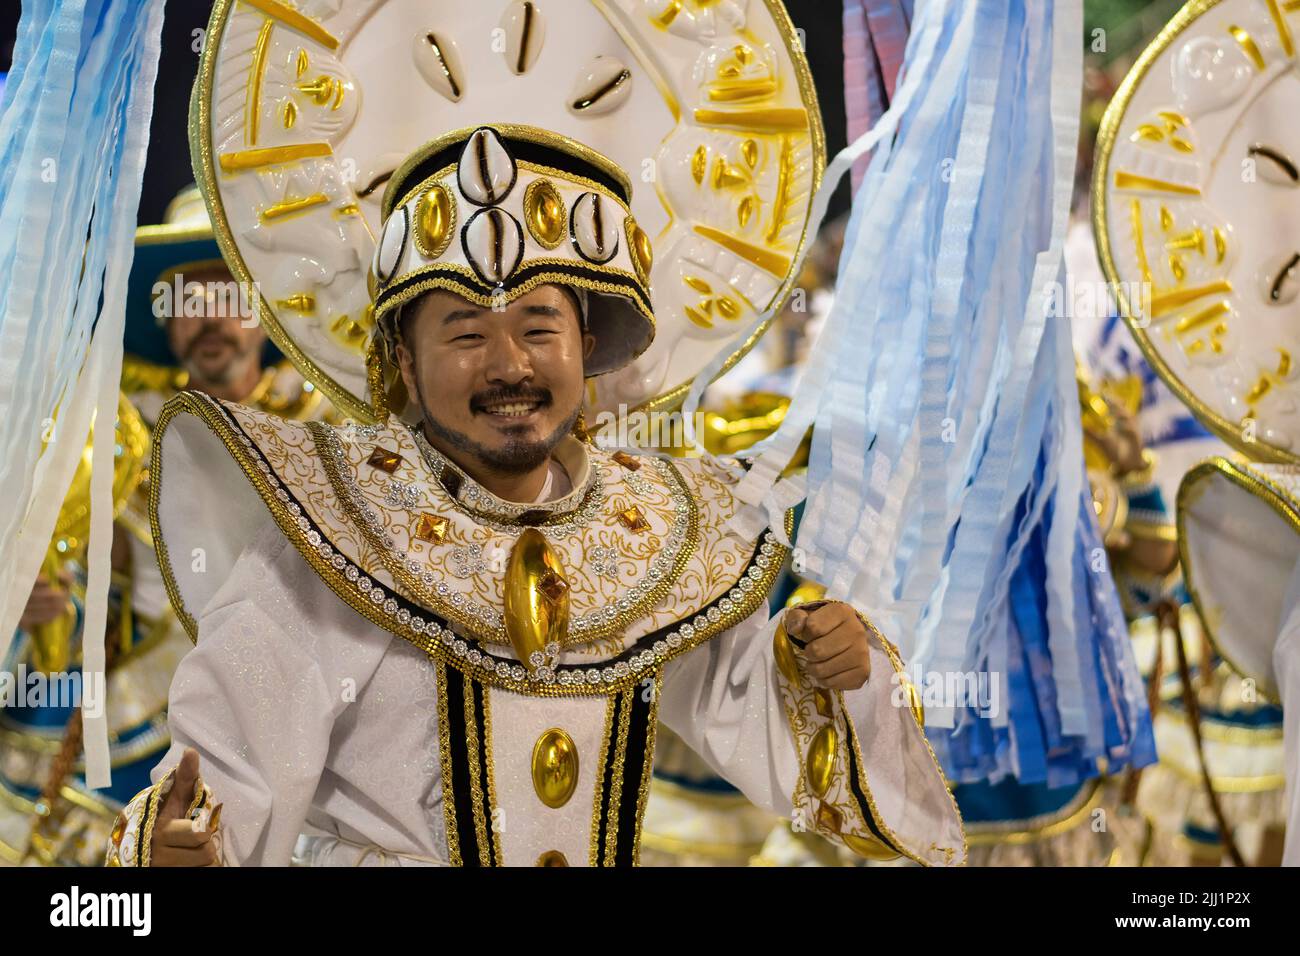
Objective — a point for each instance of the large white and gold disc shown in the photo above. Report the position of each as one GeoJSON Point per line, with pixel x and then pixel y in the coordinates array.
{"type": "Point", "coordinates": [302, 109]}
{"type": "Point", "coordinates": [1196, 204]}
{"type": "Point", "coordinates": [1239, 542]}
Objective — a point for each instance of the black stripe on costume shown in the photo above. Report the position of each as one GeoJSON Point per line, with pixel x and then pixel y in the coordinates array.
{"type": "Point", "coordinates": [634, 769]}
{"type": "Point", "coordinates": [863, 806]}
{"type": "Point", "coordinates": [458, 772]}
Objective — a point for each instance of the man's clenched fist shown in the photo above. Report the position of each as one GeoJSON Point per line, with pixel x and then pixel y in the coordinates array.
{"type": "Point", "coordinates": [834, 643]}
{"type": "Point", "coordinates": [178, 840]}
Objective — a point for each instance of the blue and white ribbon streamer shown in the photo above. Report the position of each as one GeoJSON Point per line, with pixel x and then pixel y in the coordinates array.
{"type": "Point", "coordinates": [945, 493]}
{"type": "Point", "coordinates": [74, 127]}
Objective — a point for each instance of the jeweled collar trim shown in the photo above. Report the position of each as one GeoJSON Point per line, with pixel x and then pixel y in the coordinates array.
{"type": "Point", "coordinates": [487, 621]}
{"type": "Point", "coordinates": [430, 632]}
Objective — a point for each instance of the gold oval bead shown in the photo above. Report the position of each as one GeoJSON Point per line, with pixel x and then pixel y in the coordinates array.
{"type": "Point", "coordinates": [784, 655]}
{"type": "Point", "coordinates": [914, 700]}
{"type": "Point", "coordinates": [555, 768]}
{"type": "Point", "coordinates": [119, 829]}
{"type": "Point", "coordinates": [822, 753]}
{"type": "Point", "coordinates": [552, 858]}
{"type": "Point", "coordinates": [868, 847]}
{"type": "Point", "coordinates": [805, 593]}
{"type": "Point", "coordinates": [435, 220]}
{"type": "Point", "coordinates": [544, 213]}
{"type": "Point", "coordinates": [536, 598]}
{"type": "Point", "coordinates": [641, 248]}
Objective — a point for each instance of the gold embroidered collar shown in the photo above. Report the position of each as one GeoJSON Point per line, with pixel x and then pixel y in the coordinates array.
{"type": "Point", "coordinates": [468, 495]}
{"type": "Point", "coordinates": [655, 572]}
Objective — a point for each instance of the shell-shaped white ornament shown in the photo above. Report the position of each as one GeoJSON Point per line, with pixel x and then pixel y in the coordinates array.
{"type": "Point", "coordinates": [388, 254]}
{"type": "Point", "coordinates": [486, 172]}
{"type": "Point", "coordinates": [493, 241]}
{"type": "Point", "coordinates": [594, 226]}
{"type": "Point", "coordinates": [438, 59]}
{"type": "Point", "coordinates": [525, 31]}
{"type": "Point", "coordinates": [374, 175]}
{"type": "Point", "coordinates": [602, 86]}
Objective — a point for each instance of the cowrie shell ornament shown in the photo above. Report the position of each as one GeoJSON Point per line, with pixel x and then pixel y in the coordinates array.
{"type": "Point", "coordinates": [494, 244]}
{"type": "Point", "coordinates": [486, 172]}
{"type": "Point", "coordinates": [594, 228]}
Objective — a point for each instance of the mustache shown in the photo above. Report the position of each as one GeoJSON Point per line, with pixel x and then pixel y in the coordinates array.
{"type": "Point", "coordinates": [212, 333]}
{"type": "Point", "coordinates": [479, 401]}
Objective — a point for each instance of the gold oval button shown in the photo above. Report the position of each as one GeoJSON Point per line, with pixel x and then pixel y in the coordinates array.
{"type": "Point", "coordinates": [869, 847]}
{"type": "Point", "coordinates": [784, 654]}
{"type": "Point", "coordinates": [552, 858]}
{"type": "Point", "coordinates": [821, 760]}
{"type": "Point", "coordinates": [555, 767]}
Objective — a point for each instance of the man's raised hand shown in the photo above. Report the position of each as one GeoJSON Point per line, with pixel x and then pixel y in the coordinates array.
{"type": "Point", "coordinates": [178, 840]}
{"type": "Point", "coordinates": [835, 644]}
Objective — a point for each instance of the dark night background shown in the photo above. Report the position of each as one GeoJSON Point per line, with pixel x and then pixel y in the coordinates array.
{"type": "Point", "coordinates": [168, 167]}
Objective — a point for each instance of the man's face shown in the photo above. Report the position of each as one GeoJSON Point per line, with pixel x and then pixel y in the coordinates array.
{"type": "Point", "coordinates": [501, 387]}
{"type": "Point", "coordinates": [216, 346]}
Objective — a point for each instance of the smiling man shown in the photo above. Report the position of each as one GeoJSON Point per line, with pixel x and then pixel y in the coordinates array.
{"type": "Point", "coordinates": [447, 637]}
{"type": "Point", "coordinates": [507, 384]}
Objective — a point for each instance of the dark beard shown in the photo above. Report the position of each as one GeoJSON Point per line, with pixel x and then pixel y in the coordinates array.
{"type": "Point", "coordinates": [514, 457]}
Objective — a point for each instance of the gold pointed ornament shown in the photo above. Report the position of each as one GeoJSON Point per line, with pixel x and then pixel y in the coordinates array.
{"type": "Point", "coordinates": [536, 600]}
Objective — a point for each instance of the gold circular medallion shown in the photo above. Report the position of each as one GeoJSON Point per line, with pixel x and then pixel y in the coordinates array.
{"type": "Point", "coordinates": [784, 654]}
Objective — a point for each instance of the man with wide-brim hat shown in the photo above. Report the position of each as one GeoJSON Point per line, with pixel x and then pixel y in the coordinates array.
{"type": "Point", "coordinates": [188, 325]}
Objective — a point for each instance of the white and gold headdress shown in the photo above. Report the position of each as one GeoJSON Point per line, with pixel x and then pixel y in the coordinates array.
{"type": "Point", "coordinates": [494, 212]}
{"type": "Point", "coordinates": [307, 112]}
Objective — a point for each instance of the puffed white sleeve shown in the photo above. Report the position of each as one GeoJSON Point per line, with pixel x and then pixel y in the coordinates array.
{"type": "Point", "coordinates": [853, 766]}
{"type": "Point", "coordinates": [255, 701]}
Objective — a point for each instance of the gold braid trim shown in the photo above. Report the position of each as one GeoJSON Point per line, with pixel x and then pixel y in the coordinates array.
{"type": "Point", "coordinates": [602, 763]}
{"type": "Point", "coordinates": [444, 762]}
{"type": "Point", "coordinates": [648, 766]}
{"type": "Point", "coordinates": [475, 770]}
{"type": "Point", "coordinates": [918, 718]}
{"type": "Point", "coordinates": [491, 774]}
{"type": "Point", "coordinates": [145, 845]}
{"type": "Point", "coordinates": [616, 778]}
